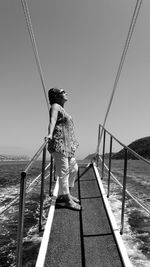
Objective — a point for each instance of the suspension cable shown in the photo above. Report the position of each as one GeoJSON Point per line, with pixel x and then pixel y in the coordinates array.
{"type": "Point", "coordinates": [34, 45]}
{"type": "Point", "coordinates": [126, 46]}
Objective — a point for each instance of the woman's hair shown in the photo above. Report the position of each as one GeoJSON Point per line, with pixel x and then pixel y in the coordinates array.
{"type": "Point", "coordinates": [52, 95]}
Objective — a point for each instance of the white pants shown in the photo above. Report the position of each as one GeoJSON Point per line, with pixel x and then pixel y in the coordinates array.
{"type": "Point", "coordinates": [66, 170]}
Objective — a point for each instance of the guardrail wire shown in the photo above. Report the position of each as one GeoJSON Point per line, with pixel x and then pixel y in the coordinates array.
{"type": "Point", "coordinates": [110, 174]}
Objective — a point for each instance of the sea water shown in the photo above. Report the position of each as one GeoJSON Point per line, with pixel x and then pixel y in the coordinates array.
{"type": "Point", "coordinates": [136, 234]}
{"type": "Point", "coordinates": [9, 190]}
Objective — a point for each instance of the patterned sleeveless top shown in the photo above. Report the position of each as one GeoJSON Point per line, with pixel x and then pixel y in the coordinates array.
{"type": "Point", "coordinates": [63, 139]}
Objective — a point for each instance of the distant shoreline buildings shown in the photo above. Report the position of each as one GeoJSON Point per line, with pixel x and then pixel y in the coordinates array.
{"type": "Point", "coordinates": [13, 158]}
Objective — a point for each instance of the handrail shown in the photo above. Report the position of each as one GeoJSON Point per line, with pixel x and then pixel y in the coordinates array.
{"type": "Point", "coordinates": [22, 197]}
{"type": "Point", "coordinates": [124, 190]}
{"type": "Point", "coordinates": [128, 148]}
{"type": "Point", "coordinates": [37, 154]}
{"type": "Point", "coordinates": [34, 158]}
{"type": "Point", "coordinates": [28, 190]}
{"type": "Point", "coordinates": [23, 190]}
{"type": "Point", "coordinates": [128, 193]}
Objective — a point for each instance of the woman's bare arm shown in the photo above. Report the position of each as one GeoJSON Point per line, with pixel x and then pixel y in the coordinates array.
{"type": "Point", "coordinates": [53, 118]}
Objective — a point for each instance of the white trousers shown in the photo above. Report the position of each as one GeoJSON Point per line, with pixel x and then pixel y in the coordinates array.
{"type": "Point", "coordinates": [66, 170]}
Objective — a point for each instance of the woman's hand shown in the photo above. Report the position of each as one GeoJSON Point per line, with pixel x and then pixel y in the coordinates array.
{"type": "Point", "coordinates": [49, 137]}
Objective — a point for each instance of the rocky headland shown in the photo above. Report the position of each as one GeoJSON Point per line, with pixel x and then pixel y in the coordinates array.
{"type": "Point", "coordinates": [140, 146]}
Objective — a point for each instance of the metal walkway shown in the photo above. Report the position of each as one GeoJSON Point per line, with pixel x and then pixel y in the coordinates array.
{"type": "Point", "coordinates": [85, 238]}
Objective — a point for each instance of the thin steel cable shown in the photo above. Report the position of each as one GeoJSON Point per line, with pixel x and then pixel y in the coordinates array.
{"type": "Point", "coordinates": [126, 46]}
{"type": "Point", "coordinates": [136, 199]}
{"type": "Point", "coordinates": [35, 157]}
{"type": "Point", "coordinates": [29, 187]}
{"type": "Point", "coordinates": [34, 45]}
{"type": "Point", "coordinates": [37, 178]}
{"type": "Point", "coordinates": [28, 190]}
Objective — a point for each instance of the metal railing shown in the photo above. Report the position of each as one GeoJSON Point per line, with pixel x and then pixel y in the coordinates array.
{"type": "Point", "coordinates": [23, 191]}
{"type": "Point", "coordinates": [103, 132]}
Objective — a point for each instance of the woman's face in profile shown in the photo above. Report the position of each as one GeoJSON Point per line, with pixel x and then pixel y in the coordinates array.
{"type": "Point", "coordinates": [63, 95]}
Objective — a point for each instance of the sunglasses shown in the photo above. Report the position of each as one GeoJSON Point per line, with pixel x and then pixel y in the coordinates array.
{"type": "Point", "coordinates": [62, 92]}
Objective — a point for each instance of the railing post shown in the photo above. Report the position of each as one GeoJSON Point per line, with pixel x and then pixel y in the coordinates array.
{"type": "Point", "coordinates": [42, 188]}
{"type": "Point", "coordinates": [109, 170]}
{"type": "Point", "coordinates": [55, 178]}
{"type": "Point", "coordinates": [51, 176]}
{"type": "Point", "coordinates": [98, 144]}
{"type": "Point", "coordinates": [21, 219]}
{"type": "Point", "coordinates": [124, 192]}
{"type": "Point", "coordinates": [103, 156]}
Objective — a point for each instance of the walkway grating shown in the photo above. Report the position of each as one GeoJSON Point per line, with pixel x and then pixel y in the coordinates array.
{"type": "Point", "coordinates": [83, 238]}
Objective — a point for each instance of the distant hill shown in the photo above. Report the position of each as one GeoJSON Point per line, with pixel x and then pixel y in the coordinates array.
{"type": "Point", "coordinates": [91, 156]}
{"type": "Point", "coordinates": [140, 146]}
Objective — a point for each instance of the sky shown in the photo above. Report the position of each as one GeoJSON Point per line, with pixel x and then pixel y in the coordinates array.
{"type": "Point", "coordinates": [80, 45]}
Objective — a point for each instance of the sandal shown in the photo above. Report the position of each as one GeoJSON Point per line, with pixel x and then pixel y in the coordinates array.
{"type": "Point", "coordinates": [75, 199]}
{"type": "Point", "coordinates": [62, 198]}
{"type": "Point", "coordinates": [72, 205]}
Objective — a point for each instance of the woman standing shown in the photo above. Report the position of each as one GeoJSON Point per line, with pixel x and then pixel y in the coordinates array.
{"type": "Point", "coordinates": [62, 145]}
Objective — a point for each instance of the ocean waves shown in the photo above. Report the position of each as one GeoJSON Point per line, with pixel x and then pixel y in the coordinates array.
{"type": "Point", "coordinates": [136, 234]}
{"type": "Point", "coordinates": [9, 190]}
